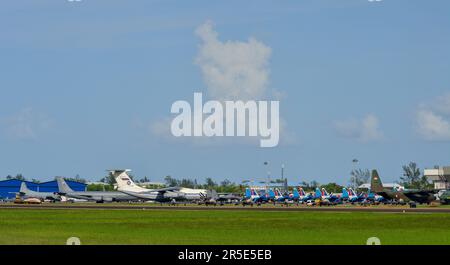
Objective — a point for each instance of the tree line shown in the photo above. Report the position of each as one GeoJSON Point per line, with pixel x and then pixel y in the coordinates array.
{"type": "Point", "coordinates": [412, 178]}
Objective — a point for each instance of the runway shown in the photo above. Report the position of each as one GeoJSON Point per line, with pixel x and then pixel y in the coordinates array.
{"type": "Point", "coordinates": [382, 209]}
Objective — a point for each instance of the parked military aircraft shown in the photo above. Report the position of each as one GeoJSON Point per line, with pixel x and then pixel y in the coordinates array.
{"type": "Point", "coordinates": [192, 194]}
{"type": "Point", "coordinates": [126, 185]}
{"type": "Point", "coordinates": [212, 197]}
{"type": "Point", "coordinates": [323, 195]}
{"type": "Point", "coordinates": [26, 193]}
{"type": "Point", "coordinates": [251, 196]}
{"type": "Point", "coordinates": [420, 196]}
{"type": "Point", "coordinates": [371, 196]}
{"type": "Point", "coordinates": [276, 196]}
{"type": "Point", "coordinates": [349, 195]}
{"type": "Point", "coordinates": [303, 197]}
{"type": "Point", "coordinates": [97, 196]}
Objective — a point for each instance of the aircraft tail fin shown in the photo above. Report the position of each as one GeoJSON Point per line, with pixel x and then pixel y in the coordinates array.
{"type": "Point", "coordinates": [318, 193]}
{"type": "Point", "coordinates": [345, 193]}
{"type": "Point", "coordinates": [271, 194]}
{"type": "Point", "coordinates": [62, 185]}
{"type": "Point", "coordinates": [375, 183]}
{"type": "Point", "coordinates": [248, 193]}
{"type": "Point", "coordinates": [301, 191]}
{"type": "Point", "coordinates": [296, 194]}
{"type": "Point", "coordinates": [23, 187]}
{"type": "Point", "coordinates": [277, 192]}
{"type": "Point", "coordinates": [124, 181]}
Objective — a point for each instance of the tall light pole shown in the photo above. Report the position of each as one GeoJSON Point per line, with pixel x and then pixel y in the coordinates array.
{"type": "Point", "coordinates": [282, 178]}
{"type": "Point", "coordinates": [266, 163]}
{"type": "Point", "coordinates": [355, 162]}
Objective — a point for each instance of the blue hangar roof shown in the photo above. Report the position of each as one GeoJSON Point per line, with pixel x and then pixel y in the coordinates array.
{"type": "Point", "coordinates": [9, 187]}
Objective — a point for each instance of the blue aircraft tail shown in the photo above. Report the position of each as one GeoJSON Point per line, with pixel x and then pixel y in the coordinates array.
{"type": "Point", "coordinates": [296, 195]}
{"type": "Point", "coordinates": [248, 193]}
{"type": "Point", "coordinates": [271, 194]}
{"type": "Point", "coordinates": [318, 193]}
{"type": "Point", "coordinates": [345, 194]}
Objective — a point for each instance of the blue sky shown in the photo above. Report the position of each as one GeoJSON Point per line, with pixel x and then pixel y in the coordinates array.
{"type": "Point", "coordinates": [85, 84]}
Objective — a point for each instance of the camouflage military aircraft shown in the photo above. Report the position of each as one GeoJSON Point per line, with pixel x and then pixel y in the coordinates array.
{"type": "Point", "coordinates": [410, 195]}
{"type": "Point", "coordinates": [445, 197]}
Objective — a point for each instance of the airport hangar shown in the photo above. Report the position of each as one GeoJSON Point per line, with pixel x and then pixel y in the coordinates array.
{"type": "Point", "coordinates": [9, 187]}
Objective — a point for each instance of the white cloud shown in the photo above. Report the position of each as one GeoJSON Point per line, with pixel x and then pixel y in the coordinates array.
{"type": "Point", "coordinates": [233, 70]}
{"type": "Point", "coordinates": [363, 130]}
{"type": "Point", "coordinates": [26, 124]}
{"type": "Point", "coordinates": [431, 126]}
{"type": "Point", "coordinates": [433, 119]}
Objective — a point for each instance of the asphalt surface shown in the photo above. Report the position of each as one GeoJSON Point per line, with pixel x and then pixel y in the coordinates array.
{"type": "Point", "coordinates": [382, 209]}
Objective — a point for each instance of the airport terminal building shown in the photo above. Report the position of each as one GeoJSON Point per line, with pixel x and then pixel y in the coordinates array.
{"type": "Point", "coordinates": [9, 187]}
{"type": "Point", "coordinates": [440, 176]}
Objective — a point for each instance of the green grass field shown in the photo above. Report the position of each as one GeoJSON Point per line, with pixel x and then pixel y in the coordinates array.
{"type": "Point", "coordinates": [219, 227]}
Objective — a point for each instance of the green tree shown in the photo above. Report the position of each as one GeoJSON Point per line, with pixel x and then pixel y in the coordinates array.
{"type": "Point", "coordinates": [77, 178]}
{"type": "Point", "coordinates": [187, 183]}
{"type": "Point", "coordinates": [144, 179]}
{"type": "Point", "coordinates": [171, 182]}
{"type": "Point", "coordinates": [99, 187]}
{"type": "Point", "coordinates": [226, 186]}
{"type": "Point", "coordinates": [332, 187]}
{"type": "Point", "coordinates": [109, 179]}
{"type": "Point", "coordinates": [210, 184]}
{"type": "Point", "coordinates": [413, 178]}
{"type": "Point", "coordinates": [20, 177]}
{"type": "Point", "coordinates": [311, 186]}
{"type": "Point", "coordinates": [359, 177]}
{"type": "Point", "coordinates": [425, 184]}
{"type": "Point", "coordinates": [225, 183]}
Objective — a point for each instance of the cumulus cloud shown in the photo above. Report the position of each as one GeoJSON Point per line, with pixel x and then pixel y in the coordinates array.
{"type": "Point", "coordinates": [432, 119]}
{"type": "Point", "coordinates": [363, 130]}
{"type": "Point", "coordinates": [232, 70]}
{"type": "Point", "coordinates": [26, 124]}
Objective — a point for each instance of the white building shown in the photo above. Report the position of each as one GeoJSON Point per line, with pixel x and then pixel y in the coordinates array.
{"type": "Point", "coordinates": [440, 176]}
{"type": "Point", "coordinates": [386, 185]}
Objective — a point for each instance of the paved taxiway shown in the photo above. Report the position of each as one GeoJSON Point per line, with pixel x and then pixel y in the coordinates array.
{"type": "Point", "coordinates": [384, 209]}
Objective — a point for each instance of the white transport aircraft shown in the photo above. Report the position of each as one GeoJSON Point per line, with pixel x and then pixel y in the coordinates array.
{"type": "Point", "coordinates": [126, 185]}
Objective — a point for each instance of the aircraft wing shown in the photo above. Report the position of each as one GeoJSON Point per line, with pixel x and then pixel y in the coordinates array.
{"type": "Point", "coordinates": [421, 196]}
{"type": "Point", "coordinates": [419, 192]}
{"type": "Point", "coordinates": [384, 195]}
